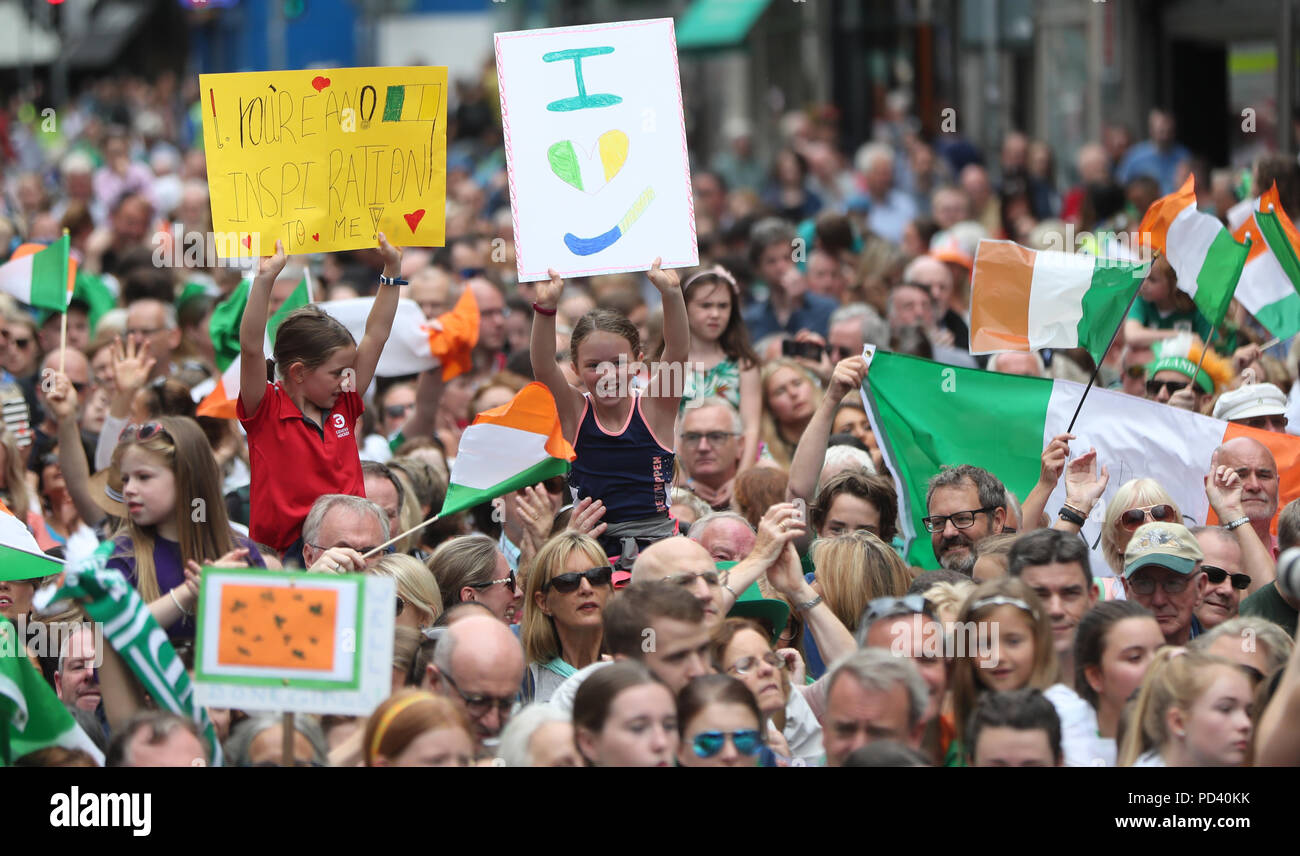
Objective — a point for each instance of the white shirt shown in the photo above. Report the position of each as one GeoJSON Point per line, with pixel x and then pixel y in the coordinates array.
{"type": "Point", "coordinates": [1078, 727]}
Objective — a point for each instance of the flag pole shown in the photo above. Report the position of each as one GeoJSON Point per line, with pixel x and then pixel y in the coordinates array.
{"type": "Point", "coordinates": [1096, 371]}
{"type": "Point", "coordinates": [63, 325]}
{"type": "Point", "coordinates": [397, 538]}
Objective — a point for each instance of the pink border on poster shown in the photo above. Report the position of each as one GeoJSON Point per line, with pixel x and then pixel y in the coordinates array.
{"type": "Point", "coordinates": [510, 155]}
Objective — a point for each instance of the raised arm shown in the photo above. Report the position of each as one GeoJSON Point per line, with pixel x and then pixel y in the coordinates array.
{"type": "Point", "coordinates": [541, 349]}
{"type": "Point", "coordinates": [428, 395]}
{"type": "Point", "coordinates": [663, 406]}
{"type": "Point", "coordinates": [252, 331]}
{"type": "Point", "coordinates": [806, 465]}
{"type": "Point", "coordinates": [833, 639]}
{"type": "Point", "coordinates": [379, 323]}
{"type": "Point", "coordinates": [1223, 490]}
{"type": "Point", "coordinates": [781, 525]}
{"type": "Point", "coordinates": [62, 400]}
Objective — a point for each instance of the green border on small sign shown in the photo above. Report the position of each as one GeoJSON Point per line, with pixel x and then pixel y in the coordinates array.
{"type": "Point", "coordinates": [260, 575]}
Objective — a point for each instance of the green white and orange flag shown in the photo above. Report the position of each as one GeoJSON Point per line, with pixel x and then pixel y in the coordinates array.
{"type": "Point", "coordinates": [1271, 276]}
{"type": "Point", "coordinates": [508, 447]}
{"type": "Point", "coordinates": [20, 557]}
{"type": "Point", "coordinates": [1199, 248]}
{"type": "Point", "coordinates": [40, 276]}
{"type": "Point", "coordinates": [223, 327]}
{"type": "Point", "coordinates": [927, 416]}
{"type": "Point", "coordinates": [1025, 300]}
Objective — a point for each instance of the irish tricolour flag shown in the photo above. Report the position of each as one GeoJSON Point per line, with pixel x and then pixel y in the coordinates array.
{"type": "Point", "coordinates": [1199, 248]}
{"type": "Point", "coordinates": [40, 276]}
{"type": "Point", "coordinates": [1025, 300]}
{"type": "Point", "coordinates": [1272, 273]}
{"type": "Point", "coordinates": [508, 447]}
{"type": "Point", "coordinates": [20, 557]}
{"type": "Point", "coordinates": [927, 416]}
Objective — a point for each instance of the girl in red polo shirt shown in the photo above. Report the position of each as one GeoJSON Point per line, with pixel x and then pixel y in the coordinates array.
{"type": "Point", "coordinates": [300, 429]}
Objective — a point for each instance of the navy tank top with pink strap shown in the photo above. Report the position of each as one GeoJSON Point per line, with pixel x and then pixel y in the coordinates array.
{"type": "Point", "coordinates": [630, 471]}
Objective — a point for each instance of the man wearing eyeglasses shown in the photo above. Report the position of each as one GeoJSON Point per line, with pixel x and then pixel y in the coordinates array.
{"type": "Point", "coordinates": [1133, 368]}
{"type": "Point", "coordinates": [339, 531]}
{"type": "Point", "coordinates": [1162, 571]}
{"type": "Point", "coordinates": [1226, 583]}
{"type": "Point", "coordinates": [155, 321]}
{"type": "Point", "coordinates": [710, 450]}
{"type": "Point", "coordinates": [966, 504]}
{"type": "Point", "coordinates": [479, 666]}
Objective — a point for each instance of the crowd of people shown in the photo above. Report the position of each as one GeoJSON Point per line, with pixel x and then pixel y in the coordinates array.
{"type": "Point", "coordinates": [720, 579]}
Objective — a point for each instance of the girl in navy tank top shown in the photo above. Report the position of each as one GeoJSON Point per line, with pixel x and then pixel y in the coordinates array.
{"type": "Point", "coordinates": [622, 436]}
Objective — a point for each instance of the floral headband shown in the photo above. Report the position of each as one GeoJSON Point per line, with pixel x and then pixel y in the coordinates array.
{"type": "Point", "coordinates": [717, 270]}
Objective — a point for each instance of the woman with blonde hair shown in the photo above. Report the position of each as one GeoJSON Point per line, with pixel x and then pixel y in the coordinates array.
{"type": "Point", "coordinates": [1194, 710]}
{"type": "Point", "coordinates": [1136, 502]}
{"type": "Point", "coordinates": [419, 603]}
{"type": "Point", "coordinates": [565, 593]}
{"type": "Point", "coordinates": [790, 396]}
{"type": "Point", "coordinates": [1005, 643]}
{"type": "Point", "coordinates": [413, 728]}
{"type": "Point", "coordinates": [471, 568]}
{"type": "Point", "coordinates": [853, 570]}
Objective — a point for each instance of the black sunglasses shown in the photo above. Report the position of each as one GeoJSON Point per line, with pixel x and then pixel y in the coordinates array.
{"type": "Point", "coordinates": [1154, 386]}
{"type": "Point", "coordinates": [1216, 576]}
{"type": "Point", "coordinates": [568, 583]}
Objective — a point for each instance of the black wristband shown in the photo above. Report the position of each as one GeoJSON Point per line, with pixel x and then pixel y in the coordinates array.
{"type": "Point", "coordinates": [1069, 515]}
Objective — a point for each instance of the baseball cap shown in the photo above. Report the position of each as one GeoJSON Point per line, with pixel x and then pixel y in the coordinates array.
{"type": "Point", "coordinates": [1167, 545]}
{"type": "Point", "coordinates": [1250, 400]}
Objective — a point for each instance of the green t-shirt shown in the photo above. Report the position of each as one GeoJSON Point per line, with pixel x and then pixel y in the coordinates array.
{"type": "Point", "coordinates": [1146, 314]}
{"type": "Point", "coordinates": [1267, 603]}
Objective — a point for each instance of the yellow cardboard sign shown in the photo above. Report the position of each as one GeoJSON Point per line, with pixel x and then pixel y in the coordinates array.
{"type": "Point", "coordinates": [326, 159]}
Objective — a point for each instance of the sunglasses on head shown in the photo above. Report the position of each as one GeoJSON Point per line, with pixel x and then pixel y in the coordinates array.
{"type": "Point", "coordinates": [397, 411]}
{"type": "Point", "coordinates": [143, 432]}
{"type": "Point", "coordinates": [568, 583]}
{"type": "Point", "coordinates": [1136, 371]}
{"type": "Point", "coordinates": [1154, 386]}
{"type": "Point", "coordinates": [1216, 576]}
{"type": "Point", "coordinates": [709, 743]}
{"type": "Point", "coordinates": [1135, 517]}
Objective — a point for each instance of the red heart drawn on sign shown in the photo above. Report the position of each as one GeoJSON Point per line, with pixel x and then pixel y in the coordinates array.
{"type": "Point", "coordinates": [248, 241]}
{"type": "Point", "coordinates": [315, 236]}
{"type": "Point", "coordinates": [413, 219]}
{"type": "Point", "coordinates": [319, 83]}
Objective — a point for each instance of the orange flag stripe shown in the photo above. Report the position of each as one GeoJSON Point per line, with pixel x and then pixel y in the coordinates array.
{"type": "Point", "coordinates": [1000, 285]}
{"type": "Point", "coordinates": [533, 410]}
{"type": "Point", "coordinates": [1163, 211]}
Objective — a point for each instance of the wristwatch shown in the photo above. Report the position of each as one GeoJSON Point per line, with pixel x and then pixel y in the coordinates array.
{"type": "Point", "coordinates": [396, 280]}
{"type": "Point", "coordinates": [1240, 521]}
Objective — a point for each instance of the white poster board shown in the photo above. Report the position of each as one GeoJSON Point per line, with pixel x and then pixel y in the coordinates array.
{"type": "Point", "coordinates": [294, 642]}
{"type": "Point", "coordinates": [595, 144]}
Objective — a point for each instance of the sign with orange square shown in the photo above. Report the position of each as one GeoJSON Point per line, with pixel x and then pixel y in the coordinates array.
{"type": "Point", "coordinates": [273, 626]}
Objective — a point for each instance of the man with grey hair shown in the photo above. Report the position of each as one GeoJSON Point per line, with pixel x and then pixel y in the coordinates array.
{"type": "Point", "coordinates": [539, 735]}
{"type": "Point", "coordinates": [479, 666]}
{"type": "Point", "coordinates": [789, 306]}
{"type": "Point", "coordinates": [1225, 572]}
{"type": "Point", "coordinates": [872, 695]}
{"type": "Point", "coordinates": [853, 326]}
{"type": "Point", "coordinates": [889, 210]}
{"type": "Point", "coordinates": [725, 534]}
{"type": "Point", "coordinates": [157, 738]}
{"type": "Point", "coordinates": [965, 505]}
{"type": "Point", "coordinates": [339, 531]}
{"type": "Point", "coordinates": [709, 449]}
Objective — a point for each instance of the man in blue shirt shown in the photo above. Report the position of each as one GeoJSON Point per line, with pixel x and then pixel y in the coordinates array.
{"type": "Point", "coordinates": [1158, 157]}
{"type": "Point", "coordinates": [789, 306]}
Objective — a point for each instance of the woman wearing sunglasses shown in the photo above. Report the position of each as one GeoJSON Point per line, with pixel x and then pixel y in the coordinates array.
{"type": "Point", "coordinates": [720, 724]}
{"type": "Point", "coordinates": [741, 649]}
{"type": "Point", "coordinates": [419, 603]}
{"type": "Point", "coordinates": [565, 593]}
{"type": "Point", "coordinates": [1137, 501]}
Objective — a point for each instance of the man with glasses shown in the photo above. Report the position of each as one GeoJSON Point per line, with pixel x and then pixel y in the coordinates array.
{"type": "Point", "coordinates": [853, 326]}
{"type": "Point", "coordinates": [1133, 369]}
{"type": "Point", "coordinates": [1256, 405]}
{"type": "Point", "coordinates": [153, 321]}
{"type": "Point", "coordinates": [1162, 571]}
{"type": "Point", "coordinates": [710, 449]}
{"type": "Point", "coordinates": [965, 504]}
{"type": "Point", "coordinates": [479, 666]}
{"type": "Point", "coordinates": [384, 490]}
{"type": "Point", "coordinates": [686, 563]}
{"type": "Point", "coordinates": [1169, 381]}
{"type": "Point", "coordinates": [489, 353]}
{"type": "Point", "coordinates": [1225, 582]}
{"type": "Point", "coordinates": [339, 531]}
{"type": "Point", "coordinates": [907, 627]}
